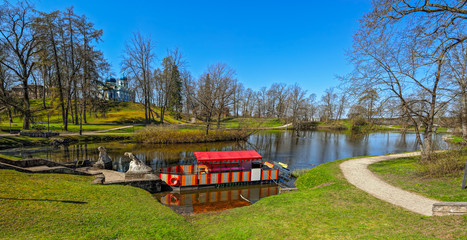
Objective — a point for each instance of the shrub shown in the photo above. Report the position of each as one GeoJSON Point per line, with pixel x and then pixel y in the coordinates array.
{"type": "Point", "coordinates": [445, 164]}
{"type": "Point", "coordinates": [38, 127]}
{"type": "Point", "coordinates": [359, 121]}
{"type": "Point", "coordinates": [168, 135]}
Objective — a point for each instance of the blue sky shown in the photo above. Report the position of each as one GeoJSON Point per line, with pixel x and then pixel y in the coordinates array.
{"type": "Point", "coordinates": [300, 42]}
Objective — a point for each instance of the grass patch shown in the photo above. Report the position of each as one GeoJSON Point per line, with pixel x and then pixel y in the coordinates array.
{"type": "Point", "coordinates": [19, 141]}
{"type": "Point", "coordinates": [9, 157]}
{"type": "Point", "coordinates": [127, 130]}
{"type": "Point", "coordinates": [337, 211]}
{"type": "Point", "coordinates": [168, 135]}
{"type": "Point", "coordinates": [455, 139]}
{"type": "Point", "coordinates": [40, 206]}
{"type": "Point", "coordinates": [299, 172]}
{"type": "Point", "coordinates": [250, 123]}
{"type": "Point", "coordinates": [411, 175]}
{"type": "Point", "coordinates": [58, 206]}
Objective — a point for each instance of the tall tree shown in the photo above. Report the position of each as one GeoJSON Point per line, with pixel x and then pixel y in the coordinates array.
{"type": "Point", "coordinates": [405, 59]}
{"type": "Point", "coordinates": [457, 68]}
{"type": "Point", "coordinates": [20, 44]}
{"type": "Point", "coordinates": [169, 83]}
{"type": "Point", "coordinates": [328, 100]}
{"type": "Point", "coordinates": [298, 105]}
{"type": "Point", "coordinates": [138, 59]}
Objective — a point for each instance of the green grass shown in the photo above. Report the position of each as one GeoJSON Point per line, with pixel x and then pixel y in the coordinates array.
{"type": "Point", "coordinates": [455, 139]}
{"type": "Point", "coordinates": [117, 114]}
{"type": "Point", "coordinates": [127, 130]}
{"type": "Point", "coordinates": [336, 211]}
{"type": "Point", "coordinates": [54, 206]}
{"type": "Point", "coordinates": [9, 157]}
{"type": "Point", "coordinates": [38, 206]}
{"type": "Point", "coordinates": [409, 174]}
{"type": "Point", "coordinates": [231, 122]}
{"type": "Point", "coordinates": [18, 141]}
{"type": "Point", "coordinates": [299, 172]}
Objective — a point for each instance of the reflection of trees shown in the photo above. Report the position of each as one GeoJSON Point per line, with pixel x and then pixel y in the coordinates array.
{"type": "Point", "coordinates": [358, 143]}
{"type": "Point", "coordinates": [325, 139]}
{"type": "Point", "coordinates": [313, 147]}
{"type": "Point", "coordinates": [402, 140]}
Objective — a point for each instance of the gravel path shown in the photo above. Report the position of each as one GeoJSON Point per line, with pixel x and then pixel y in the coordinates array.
{"type": "Point", "coordinates": [357, 173]}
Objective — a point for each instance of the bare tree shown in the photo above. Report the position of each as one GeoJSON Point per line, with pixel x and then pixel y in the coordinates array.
{"type": "Point", "coordinates": [311, 106]}
{"type": "Point", "coordinates": [20, 44]}
{"type": "Point", "coordinates": [261, 101]}
{"type": "Point", "coordinates": [248, 103]}
{"type": "Point", "coordinates": [298, 105]}
{"type": "Point", "coordinates": [138, 59]}
{"type": "Point", "coordinates": [328, 106]}
{"type": "Point", "coordinates": [457, 68]}
{"type": "Point", "coordinates": [405, 63]}
{"type": "Point", "coordinates": [214, 92]}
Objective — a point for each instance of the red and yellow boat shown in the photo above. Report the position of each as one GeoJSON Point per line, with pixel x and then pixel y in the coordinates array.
{"type": "Point", "coordinates": [223, 168]}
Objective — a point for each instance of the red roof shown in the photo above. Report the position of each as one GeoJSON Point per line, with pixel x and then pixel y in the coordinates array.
{"type": "Point", "coordinates": [227, 156]}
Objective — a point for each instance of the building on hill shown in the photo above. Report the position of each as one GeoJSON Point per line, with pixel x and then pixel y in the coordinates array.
{"type": "Point", "coordinates": [34, 91]}
{"type": "Point", "coordinates": [116, 89]}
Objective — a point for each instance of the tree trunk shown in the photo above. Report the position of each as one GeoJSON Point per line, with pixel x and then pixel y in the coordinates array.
{"type": "Point", "coordinates": [44, 74]}
{"type": "Point", "coordinates": [219, 119]}
{"type": "Point", "coordinates": [208, 123]}
{"type": "Point", "coordinates": [464, 115]}
{"type": "Point", "coordinates": [59, 82]}
{"type": "Point", "coordinates": [84, 111]}
{"type": "Point", "coordinates": [76, 122]}
{"type": "Point", "coordinates": [10, 119]}
{"type": "Point", "coordinates": [427, 150]}
{"type": "Point", "coordinates": [26, 112]}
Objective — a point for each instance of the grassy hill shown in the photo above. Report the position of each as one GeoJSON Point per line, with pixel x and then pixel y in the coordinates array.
{"type": "Point", "coordinates": [116, 114]}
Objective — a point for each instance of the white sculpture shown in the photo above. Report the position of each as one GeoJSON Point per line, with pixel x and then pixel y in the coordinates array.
{"type": "Point", "coordinates": [104, 161]}
{"type": "Point", "coordinates": [137, 166]}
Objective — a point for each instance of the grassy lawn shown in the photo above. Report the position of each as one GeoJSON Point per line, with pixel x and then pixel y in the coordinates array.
{"type": "Point", "coordinates": [407, 174]}
{"type": "Point", "coordinates": [65, 206]}
{"type": "Point", "coordinates": [18, 141]}
{"type": "Point", "coordinates": [127, 130]}
{"type": "Point", "coordinates": [9, 157]}
{"type": "Point", "coordinates": [231, 122]}
{"type": "Point", "coordinates": [54, 206]}
{"type": "Point", "coordinates": [118, 114]}
{"type": "Point", "coordinates": [455, 139]}
{"type": "Point", "coordinates": [336, 211]}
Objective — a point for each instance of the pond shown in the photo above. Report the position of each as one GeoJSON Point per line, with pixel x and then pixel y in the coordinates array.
{"type": "Point", "coordinates": [309, 149]}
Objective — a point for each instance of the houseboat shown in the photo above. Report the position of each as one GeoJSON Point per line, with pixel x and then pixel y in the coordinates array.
{"type": "Point", "coordinates": [223, 168]}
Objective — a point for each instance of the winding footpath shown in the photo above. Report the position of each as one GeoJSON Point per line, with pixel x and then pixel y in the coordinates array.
{"type": "Point", "coordinates": [357, 173]}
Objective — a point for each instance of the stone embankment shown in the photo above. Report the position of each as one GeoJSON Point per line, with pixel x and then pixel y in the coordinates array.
{"type": "Point", "coordinates": [103, 176]}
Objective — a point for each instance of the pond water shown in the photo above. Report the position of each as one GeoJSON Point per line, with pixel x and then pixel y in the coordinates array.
{"type": "Point", "coordinates": [309, 149]}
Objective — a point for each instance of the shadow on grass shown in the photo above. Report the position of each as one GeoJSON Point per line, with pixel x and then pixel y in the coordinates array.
{"type": "Point", "coordinates": [44, 200]}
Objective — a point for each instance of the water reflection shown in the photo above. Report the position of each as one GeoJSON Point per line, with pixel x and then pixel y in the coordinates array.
{"type": "Point", "coordinates": [214, 200]}
{"type": "Point", "coordinates": [311, 148]}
